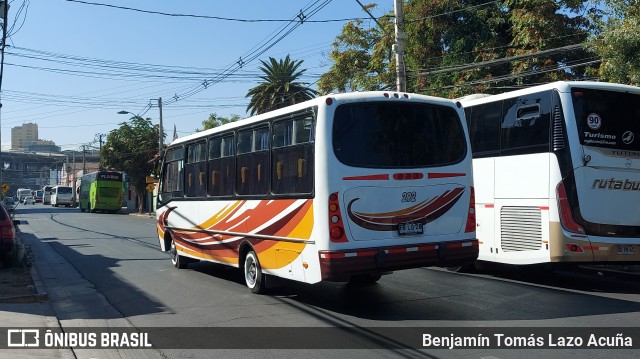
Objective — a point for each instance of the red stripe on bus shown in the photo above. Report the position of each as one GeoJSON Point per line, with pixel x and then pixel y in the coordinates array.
{"type": "Point", "coordinates": [544, 208]}
{"type": "Point", "coordinates": [427, 248]}
{"type": "Point", "coordinates": [490, 205]}
{"type": "Point", "coordinates": [367, 178]}
{"type": "Point", "coordinates": [397, 250]}
{"type": "Point", "coordinates": [366, 253]}
{"type": "Point", "coordinates": [445, 175]}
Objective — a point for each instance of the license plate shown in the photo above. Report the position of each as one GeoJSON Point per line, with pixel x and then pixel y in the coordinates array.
{"type": "Point", "coordinates": [408, 228]}
{"type": "Point", "coordinates": [626, 250]}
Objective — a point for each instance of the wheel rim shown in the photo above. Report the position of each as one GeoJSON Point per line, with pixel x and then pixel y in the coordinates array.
{"type": "Point", "coordinates": [173, 252]}
{"type": "Point", "coordinates": [250, 271]}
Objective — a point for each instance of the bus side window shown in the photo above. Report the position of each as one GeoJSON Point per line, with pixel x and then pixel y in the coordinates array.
{"type": "Point", "coordinates": [526, 124]}
{"type": "Point", "coordinates": [222, 165]}
{"type": "Point", "coordinates": [172, 174]}
{"type": "Point", "coordinates": [196, 170]}
{"type": "Point", "coordinates": [253, 164]}
{"type": "Point", "coordinates": [484, 129]}
{"type": "Point", "coordinates": [292, 156]}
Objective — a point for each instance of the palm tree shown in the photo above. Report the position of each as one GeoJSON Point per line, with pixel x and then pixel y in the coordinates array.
{"type": "Point", "coordinates": [279, 88]}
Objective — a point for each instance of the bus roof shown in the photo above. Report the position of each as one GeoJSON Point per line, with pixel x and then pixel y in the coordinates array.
{"type": "Point", "coordinates": [380, 95]}
{"type": "Point", "coordinates": [562, 86]}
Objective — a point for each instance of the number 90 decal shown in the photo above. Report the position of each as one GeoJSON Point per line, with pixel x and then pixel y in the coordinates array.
{"type": "Point", "coordinates": [594, 121]}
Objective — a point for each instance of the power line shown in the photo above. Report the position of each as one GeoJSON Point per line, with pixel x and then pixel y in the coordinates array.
{"type": "Point", "coordinates": [272, 40]}
{"type": "Point", "coordinates": [503, 60]}
{"type": "Point", "coordinates": [301, 19]}
{"type": "Point", "coordinates": [560, 67]}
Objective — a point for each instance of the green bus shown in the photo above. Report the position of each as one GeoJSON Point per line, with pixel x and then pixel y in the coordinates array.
{"type": "Point", "coordinates": [101, 191]}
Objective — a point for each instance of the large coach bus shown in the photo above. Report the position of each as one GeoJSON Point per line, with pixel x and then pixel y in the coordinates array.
{"type": "Point", "coordinates": [557, 174]}
{"type": "Point", "coordinates": [101, 191]}
{"type": "Point", "coordinates": [339, 188]}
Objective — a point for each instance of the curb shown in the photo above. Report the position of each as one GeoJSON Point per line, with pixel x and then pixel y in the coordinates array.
{"type": "Point", "coordinates": [142, 215]}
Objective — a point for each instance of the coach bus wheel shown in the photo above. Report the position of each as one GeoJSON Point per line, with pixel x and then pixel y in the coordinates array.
{"type": "Point", "coordinates": [177, 260]}
{"type": "Point", "coordinates": [253, 275]}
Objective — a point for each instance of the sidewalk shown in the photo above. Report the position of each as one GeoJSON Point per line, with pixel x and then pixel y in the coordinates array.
{"type": "Point", "coordinates": [29, 311]}
{"type": "Point", "coordinates": [63, 301]}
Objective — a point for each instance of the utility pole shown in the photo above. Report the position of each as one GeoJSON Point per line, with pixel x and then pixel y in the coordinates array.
{"type": "Point", "coordinates": [84, 162]}
{"type": "Point", "coordinates": [160, 130]}
{"type": "Point", "coordinates": [4, 9]}
{"type": "Point", "coordinates": [398, 47]}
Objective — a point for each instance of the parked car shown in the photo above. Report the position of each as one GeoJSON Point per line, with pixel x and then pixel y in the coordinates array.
{"type": "Point", "coordinates": [7, 238]}
{"type": "Point", "coordinates": [29, 200]}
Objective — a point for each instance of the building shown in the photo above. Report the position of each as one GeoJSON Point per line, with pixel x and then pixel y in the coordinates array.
{"type": "Point", "coordinates": [25, 138]}
{"type": "Point", "coordinates": [42, 146]}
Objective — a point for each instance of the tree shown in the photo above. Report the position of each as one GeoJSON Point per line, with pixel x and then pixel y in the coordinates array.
{"type": "Point", "coordinates": [279, 87]}
{"type": "Point", "coordinates": [619, 43]}
{"type": "Point", "coordinates": [362, 59]}
{"type": "Point", "coordinates": [132, 148]}
{"type": "Point", "coordinates": [456, 47]}
{"type": "Point", "coordinates": [214, 121]}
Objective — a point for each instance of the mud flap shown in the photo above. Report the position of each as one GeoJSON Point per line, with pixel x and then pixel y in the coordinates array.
{"type": "Point", "coordinates": [442, 252]}
{"type": "Point", "coordinates": [381, 257]}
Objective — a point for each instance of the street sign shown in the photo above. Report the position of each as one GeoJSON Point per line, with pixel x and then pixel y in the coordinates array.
{"type": "Point", "coordinates": [151, 187]}
{"type": "Point", "coordinates": [5, 187]}
{"type": "Point", "coordinates": [151, 179]}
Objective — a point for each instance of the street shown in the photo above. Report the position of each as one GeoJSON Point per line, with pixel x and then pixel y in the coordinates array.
{"type": "Point", "coordinates": [105, 270]}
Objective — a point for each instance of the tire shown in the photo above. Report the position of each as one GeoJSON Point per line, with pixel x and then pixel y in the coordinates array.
{"type": "Point", "coordinates": [253, 276]}
{"type": "Point", "coordinates": [364, 279]}
{"type": "Point", "coordinates": [81, 209]}
{"type": "Point", "coordinates": [177, 260]}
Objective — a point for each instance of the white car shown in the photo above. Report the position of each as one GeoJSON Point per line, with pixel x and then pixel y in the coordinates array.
{"type": "Point", "coordinates": [29, 200]}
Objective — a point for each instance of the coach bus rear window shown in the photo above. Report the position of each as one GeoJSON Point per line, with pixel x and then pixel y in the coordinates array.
{"type": "Point", "coordinates": [607, 118]}
{"type": "Point", "coordinates": [64, 190]}
{"type": "Point", "coordinates": [386, 135]}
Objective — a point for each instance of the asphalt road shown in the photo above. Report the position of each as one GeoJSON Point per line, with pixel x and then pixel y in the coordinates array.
{"type": "Point", "coordinates": [105, 270]}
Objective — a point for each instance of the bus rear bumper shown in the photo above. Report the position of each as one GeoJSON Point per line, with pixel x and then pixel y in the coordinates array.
{"type": "Point", "coordinates": [341, 265]}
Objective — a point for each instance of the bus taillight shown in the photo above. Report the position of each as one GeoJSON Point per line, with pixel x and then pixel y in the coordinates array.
{"type": "Point", "coordinates": [566, 217]}
{"type": "Point", "coordinates": [336, 228]}
{"type": "Point", "coordinates": [574, 248]}
{"type": "Point", "coordinates": [471, 213]}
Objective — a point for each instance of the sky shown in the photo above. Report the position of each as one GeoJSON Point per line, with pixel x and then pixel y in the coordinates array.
{"type": "Point", "coordinates": [71, 65]}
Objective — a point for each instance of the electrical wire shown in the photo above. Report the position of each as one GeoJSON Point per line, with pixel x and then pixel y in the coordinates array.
{"type": "Point", "coordinates": [205, 16]}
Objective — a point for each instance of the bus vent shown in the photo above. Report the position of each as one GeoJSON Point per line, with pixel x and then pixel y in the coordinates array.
{"type": "Point", "coordinates": [521, 228]}
{"type": "Point", "coordinates": [558, 135]}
